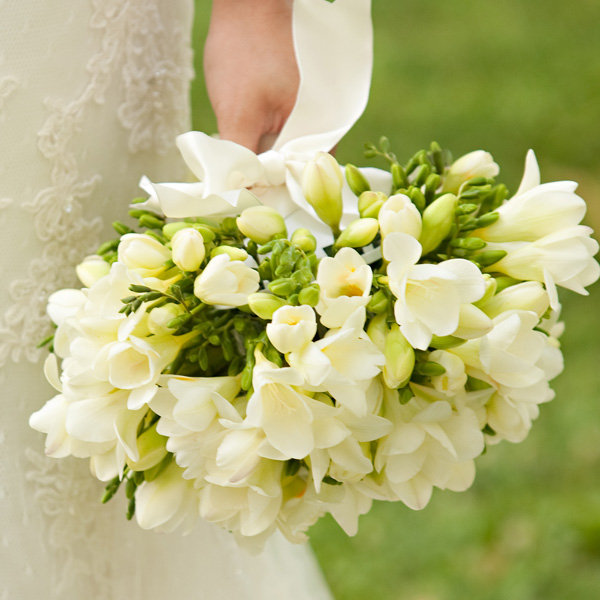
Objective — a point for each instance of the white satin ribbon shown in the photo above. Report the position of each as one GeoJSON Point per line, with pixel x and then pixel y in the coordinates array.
{"type": "Point", "coordinates": [333, 46]}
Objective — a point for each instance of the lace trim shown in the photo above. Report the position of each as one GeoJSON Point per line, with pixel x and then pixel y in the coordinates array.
{"type": "Point", "coordinates": [155, 71]}
{"type": "Point", "coordinates": [74, 524]}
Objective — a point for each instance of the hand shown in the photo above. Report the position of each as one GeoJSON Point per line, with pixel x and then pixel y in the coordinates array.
{"type": "Point", "coordinates": [250, 69]}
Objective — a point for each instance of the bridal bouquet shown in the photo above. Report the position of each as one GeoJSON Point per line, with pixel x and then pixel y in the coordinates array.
{"type": "Point", "coordinates": [219, 363]}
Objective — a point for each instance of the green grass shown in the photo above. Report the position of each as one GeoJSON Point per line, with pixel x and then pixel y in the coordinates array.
{"type": "Point", "coordinates": [503, 76]}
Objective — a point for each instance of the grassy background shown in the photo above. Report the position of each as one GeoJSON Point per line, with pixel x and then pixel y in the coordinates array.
{"type": "Point", "coordinates": [503, 76]}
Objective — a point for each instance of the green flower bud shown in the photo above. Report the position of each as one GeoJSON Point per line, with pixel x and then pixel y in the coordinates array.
{"type": "Point", "coordinates": [399, 354]}
{"type": "Point", "coordinates": [379, 302]}
{"type": "Point", "coordinates": [368, 200]}
{"type": "Point", "coordinates": [487, 219]}
{"type": "Point", "coordinates": [468, 243]}
{"type": "Point", "coordinates": [438, 218]}
{"type": "Point", "coordinates": [152, 448]}
{"type": "Point", "coordinates": [264, 305]}
{"type": "Point", "coordinates": [302, 238]}
{"type": "Point", "coordinates": [398, 176]}
{"type": "Point", "coordinates": [399, 359]}
{"type": "Point", "coordinates": [151, 221]}
{"type": "Point", "coordinates": [430, 369]}
{"type": "Point", "coordinates": [231, 251]}
{"type": "Point", "coordinates": [309, 295]}
{"type": "Point", "coordinates": [445, 341]}
{"type": "Point", "coordinates": [283, 286]}
{"type": "Point", "coordinates": [359, 233]}
{"type": "Point", "coordinates": [417, 197]}
{"type": "Point", "coordinates": [505, 281]}
{"type": "Point", "coordinates": [170, 229]}
{"type": "Point", "coordinates": [322, 183]}
{"type": "Point", "coordinates": [261, 223]}
{"type": "Point", "coordinates": [356, 180]}
{"type": "Point", "coordinates": [161, 316]}
{"type": "Point", "coordinates": [489, 257]}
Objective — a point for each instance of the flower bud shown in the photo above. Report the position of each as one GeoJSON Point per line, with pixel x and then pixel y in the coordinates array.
{"type": "Point", "coordinates": [378, 302]}
{"type": "Point", "coordinates": [188, 249]}
{"type": "Point", "coordinates": [399, 359]}
{"type": "Point", "coordinates": [143, 254]}
{"type": "Point", "coordinates": [322, 187]}
{"type": "Point", "coordinates": [370, 202]}
{"type": "Point", "coordinates": [438, 218]}
{"type": "Point", "coordinates": [170, 229]}
{"type": "Point", "coordinates": [261, 223]}
{"type": "Point", "coordinates": [152, 448]}
{"type": "Point", "coordinates": [356, 180]}
{"type": "Point", "coordinates": [529, 295]}
{"type": "Point", "coordinates": [400, 214]}
{"type": "Point", "coordinates": [92, 269]}
{"type": "Point", "coordinates": [309, 295]}
{"type": "Point", "coordinates": [159, 317]}
{"type": "Point", "coordinates": [231, 251]}
{"type": "Point", "coordinates": [474, 164]}
{"type": "Point", "coordinates": [302, 238]}
{"type": "Point", "coordinates": [399, 354]}
{"type": "Point", "coordinates": [264, 305]}
{"type": "Point", "coordinates": [359, 233]}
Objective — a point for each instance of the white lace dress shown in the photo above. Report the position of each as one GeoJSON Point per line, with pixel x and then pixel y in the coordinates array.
{"type": "Point", "coordinates": [92, 94]}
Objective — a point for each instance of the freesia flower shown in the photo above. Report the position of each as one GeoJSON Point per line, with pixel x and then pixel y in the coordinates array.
{"type": "Point", "coordinates": [563, 258]}
{"type": "Point", "coordinates": [535, 210]}
{"type": "Point", "coordinates": [167, 503]}
{"type": "Point", "coordinates": [429, 297]}
{"type": "Point", "coordinates": [292, 327]}
{"type": "Point", "coordinates": [143, 254]}
{"type": "Point", "coordinates": [345, 284]}
{"type": "Point", "coordinates": [433, 444]}
{"type": "Point", "coordinates": [225, 281]}
{"type": "Point", "coordinates": [398, 213]}
{"type": "Point", "coordinates": [474, 164]}
{"type": "Point", "coordinates": [92, 269]}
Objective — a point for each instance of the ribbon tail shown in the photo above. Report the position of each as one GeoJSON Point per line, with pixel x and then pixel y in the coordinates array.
{"type": "Point", "coordinates": [334, 51]}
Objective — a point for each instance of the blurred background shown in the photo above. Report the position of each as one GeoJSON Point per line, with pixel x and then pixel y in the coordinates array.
{"type": "Point", "coordinates": [502, 76]}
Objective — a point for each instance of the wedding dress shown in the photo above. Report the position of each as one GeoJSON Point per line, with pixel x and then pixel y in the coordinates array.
{"type": "Point", "coordinates": [92, 94]}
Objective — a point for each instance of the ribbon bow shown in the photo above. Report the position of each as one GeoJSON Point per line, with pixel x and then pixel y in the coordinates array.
{"type": "Point", "coordinates": [333, 46]}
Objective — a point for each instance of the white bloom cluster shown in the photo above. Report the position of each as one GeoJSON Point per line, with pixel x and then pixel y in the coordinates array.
{"type": "Point", "coordinates": [253, 384]}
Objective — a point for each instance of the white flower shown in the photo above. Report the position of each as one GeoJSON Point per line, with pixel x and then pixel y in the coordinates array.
{"type": "Point", "coordinates": [226, 282]}
{"type": "Point", "coordinates": [342, 363]}
{"type": "Point", "coordinates": [143, 254]}
{"type": "Point", "coordinates": [188, 249]}
{"type": "Point", "coordinates": [92, 269]}
{"type": "Point", "coordinates": [246, 510]}
{"type": "Point", "coordinates": [433, 444]}
{"type": "Point", "coordinates": [398, 213]}
{"type": "Point", "coordinates": [474, 164]}
{"type": "Point", "coordinates": [429, 297]}
{"type": "Point", "coordinates": [292, 327]}
{"type": "Point", "coordinates": [509, 352]}
{"type": "Point", "coordinates": [529, 295]}
{"type": "Point", "coordinates": [535, 210]}
{"type": "Point", "coordinates": [64, 304]}
{"type": "Point", "coordinates": [345, 284]}
{"type": "Point", "coordinates": [563, 258]}
{"type": "Point", "coordinates": [282, 411]}
{"type": "Point", "coordinates": [167, 503]}
{"type": "Point", "coordinates": [136, 362]}
{"type": "Point", "coordinates": [454, 379]}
